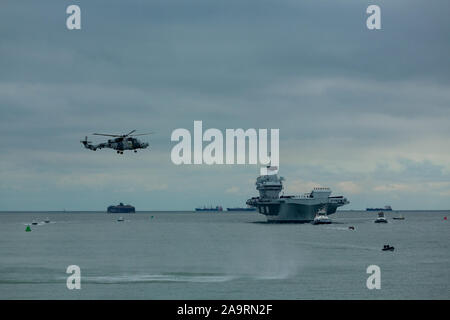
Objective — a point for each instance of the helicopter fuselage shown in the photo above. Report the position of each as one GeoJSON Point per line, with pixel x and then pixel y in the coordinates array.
{"type": "Point", "coordinates": [126, 144]}
{"type": "Point", "coordinates": [119, 144]}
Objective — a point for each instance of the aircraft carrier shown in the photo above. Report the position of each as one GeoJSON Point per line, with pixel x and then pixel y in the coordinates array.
{"type": "Point", "coordinates": [301, 208]}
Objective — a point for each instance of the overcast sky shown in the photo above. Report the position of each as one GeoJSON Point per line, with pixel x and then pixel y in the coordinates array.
{"type": "Point", "coordinates": [363, 112]}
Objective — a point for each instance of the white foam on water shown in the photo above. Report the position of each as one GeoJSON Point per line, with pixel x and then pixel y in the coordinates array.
{"type": "Point", "coordinates": [136, 278]}
{"type": "Point", "coordinates": [338, 228]}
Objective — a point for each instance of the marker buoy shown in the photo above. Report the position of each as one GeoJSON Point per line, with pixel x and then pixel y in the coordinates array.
{"type": "Point", "coordinates": [445, 218]}
{"type": "Point", "coordinates": [28, 229]}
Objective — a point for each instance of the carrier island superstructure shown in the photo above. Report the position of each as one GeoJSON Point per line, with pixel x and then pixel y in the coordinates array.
{"type": "Point", "coordinates": [301, 208]}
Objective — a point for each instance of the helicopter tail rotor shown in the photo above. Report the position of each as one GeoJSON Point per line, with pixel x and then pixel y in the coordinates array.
{"type": "Point", "coordinates": [86, 143]}
{"type": "Point", "coordinates": [85, 140]}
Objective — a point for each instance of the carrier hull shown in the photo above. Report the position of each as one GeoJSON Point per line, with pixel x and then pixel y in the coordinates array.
{"type": "Point", "coordinates": [293, 211]}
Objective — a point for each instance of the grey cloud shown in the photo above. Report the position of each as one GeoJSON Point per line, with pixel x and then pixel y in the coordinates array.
{"type": "Point", "coordinates": [346, 100]}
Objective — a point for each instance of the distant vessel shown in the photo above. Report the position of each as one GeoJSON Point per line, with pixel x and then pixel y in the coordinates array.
{"type": "Point", "coordinates": [321, 217]}
{"type": "Point", "coordinates": [121, 219]}
{"type": "Point", "coordinates": [388, 247]}
{"type": "Point", "coordinates": [47, 220]}
{"type": "Point", "coordinates": [386, 208]}
{"type": "Point", "coordinates": [242, 209]}
{"type": "Point", "coordinates": [210, 209]}
{"type": "Point", "coordinates": [400, 217]}
{"type": "Point", "coordinates": [121, 208]}
{"type": "Point", "coordinates": [381, 218]}
{"type": "Point", "coordinates": [301, 208]}
{"type": "Point", "coordinates": [34, 222]}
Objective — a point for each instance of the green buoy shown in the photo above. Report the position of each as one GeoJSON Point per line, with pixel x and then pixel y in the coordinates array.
{"type": "Point", "coordinates": [28, 229]}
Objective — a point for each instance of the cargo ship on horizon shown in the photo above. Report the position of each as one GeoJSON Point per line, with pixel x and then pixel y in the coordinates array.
{"type": "Point", "coordinates": [242, 209]}
{"type": "Point", "coordinates": [210, 209]}
{"type": "Point", "coordinates": [386, 208]}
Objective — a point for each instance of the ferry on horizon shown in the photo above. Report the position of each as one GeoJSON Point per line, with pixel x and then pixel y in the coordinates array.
{"type": "Point", "coordinates": [121, 208]}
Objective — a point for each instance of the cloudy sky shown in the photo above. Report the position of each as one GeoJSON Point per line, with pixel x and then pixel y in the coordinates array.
{"type": "Point", "coordinates": [364, 112]}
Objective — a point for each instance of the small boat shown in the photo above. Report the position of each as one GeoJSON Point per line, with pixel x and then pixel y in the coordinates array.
{"type": "Point", "coordinates": [400, 217]}
{"type": "Point", "coordinates": [351, 228]}
{"type": "Point", "coordinates": [321, 217]}
{"type": "Point", "coordinates": [121, 219]}
{"type": "Point", "coordinates": [34, 223]}
{"type": "Point", "coordinates": [381, 218]}
{"type": "Point", "coordinates": [47, 220]}
{"type": "Point", "coordinates": [387, 247]}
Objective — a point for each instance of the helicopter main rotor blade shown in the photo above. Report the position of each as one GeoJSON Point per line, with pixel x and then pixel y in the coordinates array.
{"type": "Point", "coordinates": [126, 135]}
{"type": "Point", "coordinates": [106, 135]}
{"type": "Point", "coordinates": [142, 134]}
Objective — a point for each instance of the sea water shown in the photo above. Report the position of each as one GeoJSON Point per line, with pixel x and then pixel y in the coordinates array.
{"type": "Point", "coordinates": [189, 255]}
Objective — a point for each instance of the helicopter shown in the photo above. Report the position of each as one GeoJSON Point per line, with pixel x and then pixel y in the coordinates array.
{"type": "Point", "coordinates": [119, 143]}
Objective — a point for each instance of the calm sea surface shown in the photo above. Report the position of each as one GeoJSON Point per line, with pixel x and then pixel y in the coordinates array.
{"type": "Point", "coordinates": [185, 255]}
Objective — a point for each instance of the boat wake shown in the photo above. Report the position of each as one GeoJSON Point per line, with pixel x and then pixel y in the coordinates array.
{"type": "Point", "coordinates": [148, 278]}
{"type": "Point", "coordinates": [176, 277]}
{"type": "Point", "coordinates": [337, 228]}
